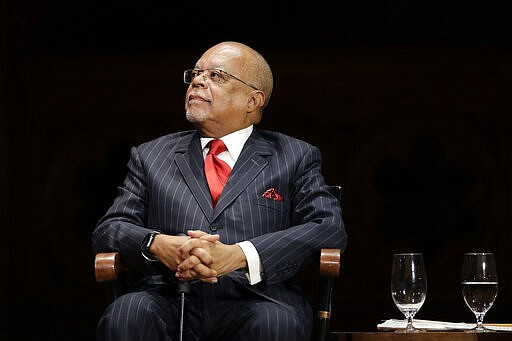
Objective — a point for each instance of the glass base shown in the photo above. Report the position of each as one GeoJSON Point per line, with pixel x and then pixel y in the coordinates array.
{"type": "Point", "coordinates": [480, 330]}
{"type": "Point", "coordinates": [409, 329]}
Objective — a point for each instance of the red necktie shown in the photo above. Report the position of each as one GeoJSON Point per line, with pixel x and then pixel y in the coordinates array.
{"type": "Point", "coordinates": [216, 170]}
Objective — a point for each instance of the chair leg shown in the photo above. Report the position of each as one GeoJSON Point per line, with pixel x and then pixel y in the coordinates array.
{"type": "Point", "coordinates": [324, 308]}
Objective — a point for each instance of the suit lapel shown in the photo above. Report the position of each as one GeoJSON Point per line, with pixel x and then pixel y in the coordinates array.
{"type": "Point", "coordinates": [250, 163]}
{"type": "Point", "coordinates": [189, 159]}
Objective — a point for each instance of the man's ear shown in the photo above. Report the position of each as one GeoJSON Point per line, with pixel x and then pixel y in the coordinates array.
{"type": "Point", "coordinates": [255, 101]}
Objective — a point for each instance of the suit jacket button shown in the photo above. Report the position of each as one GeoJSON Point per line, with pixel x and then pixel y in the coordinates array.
{"type": "Point", "coordinates": [213, 227]}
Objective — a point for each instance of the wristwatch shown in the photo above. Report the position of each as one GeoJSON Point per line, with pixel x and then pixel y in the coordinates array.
{"type": "Point", "coordinates": [146, 244]}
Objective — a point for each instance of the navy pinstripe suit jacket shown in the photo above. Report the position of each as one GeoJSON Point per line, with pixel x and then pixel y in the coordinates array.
{"type": "Point", "coordinates": [166, 190]}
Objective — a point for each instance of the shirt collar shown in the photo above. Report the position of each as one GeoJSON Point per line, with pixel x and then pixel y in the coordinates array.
{"type": "Point", "coordinates": [234, 141]}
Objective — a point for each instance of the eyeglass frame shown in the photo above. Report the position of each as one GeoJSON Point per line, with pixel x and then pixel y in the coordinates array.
{"type": "Point", "coordinates": [215, 69]}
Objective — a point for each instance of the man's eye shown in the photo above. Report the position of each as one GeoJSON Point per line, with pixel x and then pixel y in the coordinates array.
{"type": "Point", "coordinates": [194, 74]}
{"type": "Point", "coordinates": [216, 75]}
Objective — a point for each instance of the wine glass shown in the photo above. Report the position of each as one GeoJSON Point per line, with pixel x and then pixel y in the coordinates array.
{"type": "Point", "coordinates": [479, 285]}
{"type": "Point", "coordinates": [408, 285]}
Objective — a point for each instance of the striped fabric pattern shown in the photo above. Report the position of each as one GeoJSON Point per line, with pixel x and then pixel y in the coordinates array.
{"type": "Point", "coordinates": [165, 190]}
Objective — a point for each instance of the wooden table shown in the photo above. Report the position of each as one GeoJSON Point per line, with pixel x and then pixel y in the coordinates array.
{"type": "Point", "coordinates": [423, 336]}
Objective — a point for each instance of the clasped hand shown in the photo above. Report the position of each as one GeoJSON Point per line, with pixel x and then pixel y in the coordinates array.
{"type": "Point", "coordinates": [205, 258]}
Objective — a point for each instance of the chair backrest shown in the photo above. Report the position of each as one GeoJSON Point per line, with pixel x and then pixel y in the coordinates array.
{"type": "Point", "coordinates": [337, 191]}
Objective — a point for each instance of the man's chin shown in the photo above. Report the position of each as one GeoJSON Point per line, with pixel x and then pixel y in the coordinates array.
{"type": "Point", "coordinates": [193, 117]}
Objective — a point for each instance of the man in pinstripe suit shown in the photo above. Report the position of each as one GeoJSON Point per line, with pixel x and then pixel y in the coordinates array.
{"type": "Point", "coordinates": [240, 255]}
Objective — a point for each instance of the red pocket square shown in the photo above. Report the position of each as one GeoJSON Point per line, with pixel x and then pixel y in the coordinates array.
{"type": "Point", "coordinates": [271, 193]}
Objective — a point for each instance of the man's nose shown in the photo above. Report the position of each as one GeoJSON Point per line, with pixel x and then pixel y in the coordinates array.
{"type": "Point", "coordinates": [199, 80]}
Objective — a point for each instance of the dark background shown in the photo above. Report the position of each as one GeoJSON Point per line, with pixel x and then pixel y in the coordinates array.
{"type": "Point", "coordinates": [409, 101]}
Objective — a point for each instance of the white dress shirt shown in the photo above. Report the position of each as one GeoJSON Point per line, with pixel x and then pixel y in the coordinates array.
{"type": "Point", "coordinates": [234, 143]}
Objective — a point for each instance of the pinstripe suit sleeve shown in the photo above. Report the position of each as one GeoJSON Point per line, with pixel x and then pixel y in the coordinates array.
{"type": "Point", "coordinates": [124, 225]}
{"type": "Point", "coordinates": [316, 222]}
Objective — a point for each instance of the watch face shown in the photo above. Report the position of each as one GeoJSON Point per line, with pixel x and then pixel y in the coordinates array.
{"type": "Point", "coordinates": [147, 241]}
{"type": "Point", "coordinates": [146, 244]}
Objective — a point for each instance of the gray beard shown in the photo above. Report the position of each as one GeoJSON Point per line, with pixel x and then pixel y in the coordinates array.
{"type": "Point", "coordinates": [195, 117]}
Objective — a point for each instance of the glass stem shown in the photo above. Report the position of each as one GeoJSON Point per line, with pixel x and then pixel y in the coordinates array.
{"type": "Point", "coordinates": [479, 321]}
{"type": "Point", "coordinates": [409, 322]}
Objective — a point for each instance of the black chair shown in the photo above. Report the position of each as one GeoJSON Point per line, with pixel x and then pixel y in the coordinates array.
{"type": "Point", "coordinates": [108, 268]}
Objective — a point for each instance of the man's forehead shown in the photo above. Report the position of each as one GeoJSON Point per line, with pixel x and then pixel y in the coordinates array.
{"type": "Point", "coordinates": [218, 61]}
{"type": "Point", "coordinates": [211, 63]}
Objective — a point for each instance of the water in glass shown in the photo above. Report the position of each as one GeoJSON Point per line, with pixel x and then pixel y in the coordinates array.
{"type": "Point", "coordinates": [479, 285]}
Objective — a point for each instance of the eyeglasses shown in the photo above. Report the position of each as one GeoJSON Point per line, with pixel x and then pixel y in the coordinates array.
{"type": "Point", "coordinates": [217, 76]}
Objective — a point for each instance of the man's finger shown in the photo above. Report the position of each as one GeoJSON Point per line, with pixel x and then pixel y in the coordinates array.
{"type": "Point", "coordinates": [202, 255]}
{"type": "Point", "coordinates": [186, 275]}
{"type": "Point", "coordinates": [203, 235]}
{"type": "Point", "coordinates": [188, 263]}
{"type": "Point", "coordinates": [200, 271]}
{"type": "Point", "coordinates": [211, 237]}
{"type": "Point", "coordinates": [211, 280]}
{"type": "Point", "coordinates": [187, 247]}
{"type": "Point", "coordinates": [203, 272]}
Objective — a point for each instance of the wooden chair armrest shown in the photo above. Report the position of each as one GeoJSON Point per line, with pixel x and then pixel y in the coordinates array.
{"type": "Point", "coordinates": [330, 260]}
{"type": "Point", "coordinates": [107, 266]}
